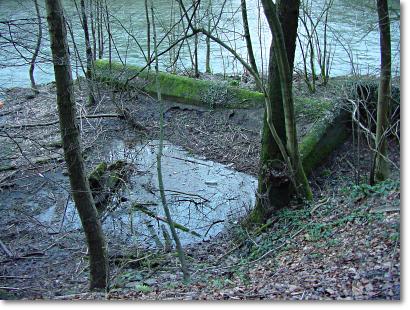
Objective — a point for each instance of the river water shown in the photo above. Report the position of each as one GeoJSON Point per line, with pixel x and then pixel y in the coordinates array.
{"type": "Point", "coordinates": [353, 37]}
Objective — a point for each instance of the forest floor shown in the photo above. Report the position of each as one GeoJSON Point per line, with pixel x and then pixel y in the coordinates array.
{"type": "Point", "coordinates": [343, 245]}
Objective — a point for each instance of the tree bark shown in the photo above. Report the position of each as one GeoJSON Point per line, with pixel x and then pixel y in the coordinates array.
{"type": "Point", "coordinates": [285, 78]}
{"type": "Point", "coordinates": [92, 21]}
{"type": "Point", "coordinates": [381, 169]}
{"type": "Point", "coordinates": [148, 33]}
{"type": "Point", "coordinates": [108, 26]}
{"type": "Point", "coordinates": [274, 188]}
{"type": "Point", "coordinates": [208, 40]}
{"type": "Point", "coordinates": [37, 49]}
{"type": "Point", "coordinates": [89, 55]}
{"type": "Point", "coordinates": [196, 43]}
{"type": "Point", "coordinates": [72, 148]}
{"type": "Point", "coordinates": [247, 36]}
{"type": "Point", "coordinates": [100, 35]}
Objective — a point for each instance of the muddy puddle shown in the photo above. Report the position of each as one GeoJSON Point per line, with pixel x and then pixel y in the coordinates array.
{"type": "Point", "coordinates": [204, 197]}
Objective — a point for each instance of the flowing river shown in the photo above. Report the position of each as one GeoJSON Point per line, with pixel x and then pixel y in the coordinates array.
{"type": "Point", "coordinates": [352, 36]}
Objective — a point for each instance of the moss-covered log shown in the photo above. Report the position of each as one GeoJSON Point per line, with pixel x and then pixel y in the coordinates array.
{"type": "Point", "coordinates": [105, 179]}
{"type": "Point", "coordinates": [178, 88]}
{"type": "Point", "coordinates": [325, 136]}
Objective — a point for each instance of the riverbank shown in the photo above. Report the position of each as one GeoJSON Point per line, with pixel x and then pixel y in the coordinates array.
{"type": "Point", "coordinates": [334, 248]}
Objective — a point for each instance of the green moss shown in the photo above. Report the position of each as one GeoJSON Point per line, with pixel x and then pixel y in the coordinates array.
{"type": "Point", "coordinates": [311, 109]}
{"type": "Point", "coordinates": [213, 94]}
{"type": "Point", "coordinates": [56, 144]}
{"type": "Point", "coordinates": [117, 173]}
{"type": "Point", "coordinates": [96, 175]}
{"type": "Point", "coordinates": [323, 138]}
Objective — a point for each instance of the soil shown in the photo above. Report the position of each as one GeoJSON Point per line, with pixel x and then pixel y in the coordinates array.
{"type": "Point", "coordinates": [340, 246]}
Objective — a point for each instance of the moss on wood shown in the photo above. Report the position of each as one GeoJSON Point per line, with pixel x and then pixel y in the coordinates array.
{"type": "Point", "coordinates": [214, 94]}
{"type": "Point", "coordinates": [325, 136]}
{"type": "Point", "coordinates": [311, 109]}
{"type": "Point", "coordinates": [105, 179]}
{"type": "Point", "coordinates": [95, 178]}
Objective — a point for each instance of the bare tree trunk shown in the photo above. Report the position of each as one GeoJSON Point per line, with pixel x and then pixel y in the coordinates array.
{"type": "Point", "coordinates": [148, 33]}
{"type": "Point", "coordinates": [247, 35]}
{"type": "Point", "coordinates": [108, 25]}
{"type": "Point", "coordinates": [36, 51]}
{"type": "Point", "coordinates": [208, 40]}
{"type": "Point", "coordinates": [196, 42]}
{"type": "Point", "coordinates": [274, 186]}
{"type": "Point", "coordinates": [89, 55]}
{"type": "Point", "coordinates": [381, 169]}
{"type": "Point", "coordinates": [72, 148]}
{"type": "Point", "coordinates": [187, 41]}
{"type": "Point", "coordinates": [92, 21]}
{"type": "Point", "coordinates": [180, 250]}
{"type": "Point", "coordinates": [100, 35]}
{"type": "Point", "coordinates": [285, 77]}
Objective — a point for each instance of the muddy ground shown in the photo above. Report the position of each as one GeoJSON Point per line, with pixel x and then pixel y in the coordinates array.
{"type": "Point", "coordinates": [41, 261]}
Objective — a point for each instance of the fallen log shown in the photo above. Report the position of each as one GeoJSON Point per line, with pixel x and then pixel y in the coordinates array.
{"type": "Point", "coordinates": [107, 179]}
{"type": "Point", "coordinates": [160, 218]}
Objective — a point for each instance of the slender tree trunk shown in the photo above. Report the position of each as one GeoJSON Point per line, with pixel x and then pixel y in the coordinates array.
{"type": "Point", "coordinates": [324, 64]}
{"type": "Point", "coordinates": [247, 35]}
{"type": "Point", "coordinates": [72, 148]}
{"type": "Point", "coordinates": [92, 21]}
{"type": "Point", "coordinates": [172, 38]}
{"type": "Point", "coordinates": [36, 51]}
{"type": "Point", "coordinates": [187, 41]}
{"type": "Point", "coordinates": [100, 35]}
{"type": "Point", "coordinates": [196, 67]}
{"type": "Point", "coordinates": [148, 33]}
{"type": "Point", "coordinates": [274, 187]}
{"type": "Point", "coordinates": [89, 55]}
{"type": "Point", "coordinates": [174, 233]}
{"type": "Point", "coordinates": [381, 165]}
{"type": "Point", "coordinates": [208, 40]}
{"type": "Point", "coordinates": [196, 42]}
{"type": "Point", "coordinates": [108, 25]}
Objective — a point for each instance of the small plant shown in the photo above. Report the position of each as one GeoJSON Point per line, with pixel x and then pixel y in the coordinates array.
{"type": "Point", "coordinates": [217, 283]}
{"type": "Point", "coordinates": [234, 83]}
{"type": "Point", "coordinates": [333, 243]}
{"type": "Point", "coordinates": [383, 188]}
{"type": "Point", "coordinates": [143, 288]}
{"type": "Point", "coordinates": [327, 172]}
{"type": "Point", "coordinates": [394, 237]}
{"type": "Point", "coordinates": [243, 277]}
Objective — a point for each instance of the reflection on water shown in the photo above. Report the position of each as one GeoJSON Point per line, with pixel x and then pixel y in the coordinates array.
{"type": "Point", "coordinates": [203, 196]}
{"type": "Point", "coordinates": [353, 36]}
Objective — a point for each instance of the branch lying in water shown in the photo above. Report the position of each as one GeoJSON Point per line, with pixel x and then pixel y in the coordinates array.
{"type": "Point", "coordinates": [150, 213]}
